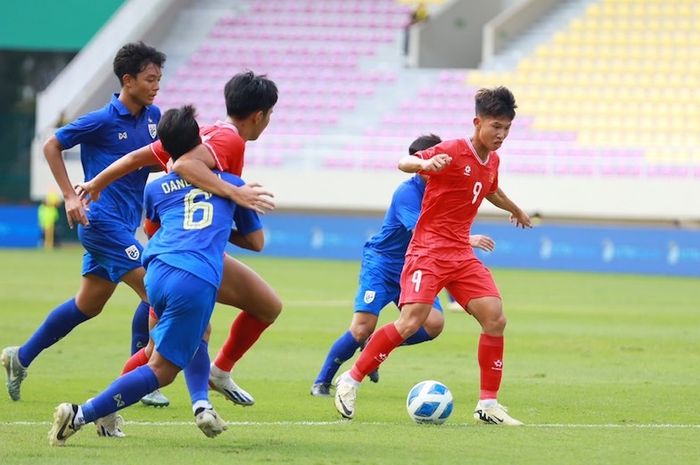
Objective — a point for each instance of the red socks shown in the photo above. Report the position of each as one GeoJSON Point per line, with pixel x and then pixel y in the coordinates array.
{"type": "Point", "coordinates": [138, 359]}
{"type": "Point", "coordinates": [382, 342]}
{"type": "Point", "coordinates": [490, 355]}
{"type": "Point", "coordinates": [245, 330]}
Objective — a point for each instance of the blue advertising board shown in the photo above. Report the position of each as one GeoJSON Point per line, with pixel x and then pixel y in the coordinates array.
{"type": "Point", "coordinates": [619, 249]}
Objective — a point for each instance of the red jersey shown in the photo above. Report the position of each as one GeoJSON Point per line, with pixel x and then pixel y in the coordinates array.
{"type": "Point", "coordinates": [452, 198]}
{"type": "Point", "coordinates": [222, 140]}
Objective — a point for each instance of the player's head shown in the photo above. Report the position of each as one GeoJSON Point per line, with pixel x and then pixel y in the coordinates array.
{"type": "Point", "coordinates": [138, 68]}
{"type": "Point", "coordinates": [250, 97]}
{"type": "Point", "coordinates": [423, 142]}
{"type": "Point", "coordinates": [178, 131]}
{"type": "Point", "coordinates": [495, 111]}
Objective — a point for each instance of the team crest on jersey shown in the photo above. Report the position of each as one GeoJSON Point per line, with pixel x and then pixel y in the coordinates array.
{"type": "Point", "coordinates": [467, 170]}
{"type": "Point", "coordinates": [369, 297]}
{"type": "Point", "coordinates": [132, 252]}
{"type": "Point", "coordinates": [152, 130]}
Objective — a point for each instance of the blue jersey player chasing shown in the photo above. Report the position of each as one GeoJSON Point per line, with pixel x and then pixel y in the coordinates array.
{"type": "Point", "coordinates": [107, 229]}
{"type": "Point", "coordinates": [184, 262]}
{"type": "Point", "coordinates": [382, 261]}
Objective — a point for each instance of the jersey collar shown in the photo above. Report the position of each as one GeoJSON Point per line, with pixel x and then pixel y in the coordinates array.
{"type": "Point", "coordinates": [473, 150]}
{"type": "Point", "coordinates": [122, 110]}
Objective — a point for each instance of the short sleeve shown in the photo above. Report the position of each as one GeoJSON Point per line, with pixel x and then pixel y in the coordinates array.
{"type": "Point", "coordinates": [407, 207]}
{"type": "Point", "coordinates": [228, 149]}
{"type": "Point", "coordinates": [159, 153]}
{"type": "Point", "coordinates": [85, 129]}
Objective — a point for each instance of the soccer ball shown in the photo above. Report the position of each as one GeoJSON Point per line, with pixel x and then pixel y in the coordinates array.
{"type": "Point", "coordinates": [429, 402]}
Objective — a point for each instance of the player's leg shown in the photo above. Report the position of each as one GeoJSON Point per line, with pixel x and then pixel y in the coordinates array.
{"type": "Point", "coordinates": [476, 291]}
{"type": "Point", "coordinates": [243, 288]}
{"type": "Point", "coordinates": [123, 392]}
{"type": "Point", "coordinates": [93, 294]}
{"type": "Point", "coordinates": [375, 290]}
{"type": "Point", "coordinates": [421, 280]}
{"type": "Point", "coordinates": [180, 333]}
{"type": "Point", "coordinates": [431, 328]}
{"type": "Point", "coordinates": [342, 350]}
{"type": "Point", "coordinates": [140, 333]}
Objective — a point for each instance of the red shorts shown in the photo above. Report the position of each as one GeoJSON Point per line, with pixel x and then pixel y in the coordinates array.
{"type": "Point", "coordinates": [424, 277]}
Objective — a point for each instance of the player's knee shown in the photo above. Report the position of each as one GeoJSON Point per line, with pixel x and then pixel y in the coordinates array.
{"type": "Point", "coordinates": [495, 323]}
{"type": "Point", "coordinates": [434, 326]}
{"type": "Point", "coordinates": [165, 372]}
{"type": "Point", "coordinates": [361, 332]}
{"type": "Point", "coordinates": [89, 309]}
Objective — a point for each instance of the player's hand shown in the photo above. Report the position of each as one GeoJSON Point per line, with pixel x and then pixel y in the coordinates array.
{"type": "Point", "coordinates": [482, 242]}
{"type": "Point", "coordinates": [75, 211]}
{"type": "Point", "coordinates": [87, 192]}
{"type": "Point", "coordinates": [253, 196]}
{"type": "Point", "coordinates": [437, 163]}
{"type": "Point", "coordinates": [521, 219]}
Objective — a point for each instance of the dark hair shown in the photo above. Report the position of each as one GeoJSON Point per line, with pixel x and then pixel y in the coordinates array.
{"type": "Point", "coordinates": [496, 103]}
{"type": "Point", "coordinates": [178, 131]}
{"type": "Point", "coordinates": [247, 93]}
{"type": "Point", "coordinates": [134, 57]}
{"type": "Point", "coordinates": [423, 142]}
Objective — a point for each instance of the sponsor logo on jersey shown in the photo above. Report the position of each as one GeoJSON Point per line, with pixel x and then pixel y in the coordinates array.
{"type": "Point", "coordinates": [122, 135]}
{"type": "Point", "coordinates": [467, 170]}
{"type": "Point", "coordinates": [118, 400]}
{"type": "Point", "coordinates": [132, 252]}
{"type": "Point", "coordinates": [369, 297]}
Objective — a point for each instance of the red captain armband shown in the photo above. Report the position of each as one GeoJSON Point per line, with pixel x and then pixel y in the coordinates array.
{"type": "Point", "coordinates": [150, 227]}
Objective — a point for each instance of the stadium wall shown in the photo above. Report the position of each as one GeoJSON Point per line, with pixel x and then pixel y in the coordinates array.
{"type": "Point", "coordinates": [570, 247]}
{"type": "Point", "coordinates": [614, 249]}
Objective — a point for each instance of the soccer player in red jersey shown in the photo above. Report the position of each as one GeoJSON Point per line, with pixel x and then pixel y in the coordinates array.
{"type": "Point", "coordinates": [461, 173]}
{"type": "Point", "coordinates": [250, 100]}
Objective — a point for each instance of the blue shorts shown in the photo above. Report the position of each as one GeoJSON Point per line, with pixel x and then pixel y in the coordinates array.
{"type": "Point", "coordinates": [379, 285]}
{"type": "Point", "coordinates": [184, 303]}
{"type": "Point", "coordinates": [111, 250]}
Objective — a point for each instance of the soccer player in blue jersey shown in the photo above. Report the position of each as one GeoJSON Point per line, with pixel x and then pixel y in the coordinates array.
{"type": "Point", "coordinates": [382, 261]}
{"type": "Point", "coordinates": [107, 229]}
{"type": "Point", "coordinates": [184, 262]}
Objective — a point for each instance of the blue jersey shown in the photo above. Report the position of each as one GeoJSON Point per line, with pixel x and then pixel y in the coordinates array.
{"type": "Point", "coordinates": [392, 240]}
{"type": "Point", "coordinates": [194, 225]}
{"type": "Point", "coordinates": [105, 135]}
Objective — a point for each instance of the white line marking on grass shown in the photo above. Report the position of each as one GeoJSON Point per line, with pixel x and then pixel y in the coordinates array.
{"type": "Point", "coordinates": [345, 422]}
{"type": "Point", "coordinates": [318, 303]}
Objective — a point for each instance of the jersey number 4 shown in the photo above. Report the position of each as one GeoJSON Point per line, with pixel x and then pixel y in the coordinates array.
{"type": "Point", "coordinates": [202, 210]}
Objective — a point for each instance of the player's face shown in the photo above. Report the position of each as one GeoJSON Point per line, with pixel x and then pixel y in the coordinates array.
{"type": "Point", "coordinates": [261, 120]}
{"type": "Point", "coordinates": [492, 131]}
{"type": "Point", "coordinates": [144, 87]}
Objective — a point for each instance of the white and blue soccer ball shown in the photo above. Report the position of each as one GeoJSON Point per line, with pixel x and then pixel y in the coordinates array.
{"type": "Point", "coordinates": [429, 402]}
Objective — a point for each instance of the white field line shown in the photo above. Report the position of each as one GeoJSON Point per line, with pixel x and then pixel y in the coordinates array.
{"type": "Point", "coordinates": [345, 422]}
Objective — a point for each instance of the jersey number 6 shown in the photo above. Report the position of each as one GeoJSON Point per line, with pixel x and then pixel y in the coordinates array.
{"type": "Point", "coordinates": [203, 210]}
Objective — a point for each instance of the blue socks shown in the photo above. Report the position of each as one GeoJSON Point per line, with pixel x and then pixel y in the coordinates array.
{"type": "Point", "coordinates": [60, 322]}
{"type": "Point", "coordinates": [419, 336]}
{"type": "Point", "coordinates": [340, 352]}
{"type": "Point", "coordinates": [197, 373]}
{"type": "Point", "coordinates": [139, 327]}
{"type": "Point", "coordinates": [124, 391]}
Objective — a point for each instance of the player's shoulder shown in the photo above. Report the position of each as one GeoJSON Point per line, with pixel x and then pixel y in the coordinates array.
{"type": "Point", "coordinates": [231, 178]}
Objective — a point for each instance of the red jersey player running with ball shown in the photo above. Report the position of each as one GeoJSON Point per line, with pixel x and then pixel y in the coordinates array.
{"type": "Point", "coordinates": [461, 173]}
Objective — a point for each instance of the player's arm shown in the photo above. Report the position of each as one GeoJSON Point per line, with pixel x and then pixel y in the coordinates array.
{"type": "Point", "coordinates": [75, 211]}
{"type": "Point", "coordinates": [254, 241]}
{"type": "Point", "coordinates": [195, 167]}
{"type": "Point", "coordinates": [517, 215]}
{"type": "Point", "coordinates": [414, 164]}
{"type": "Point", "coordinates": [482, 242]}
{"type": "Point", "coordinates": [132, 161]}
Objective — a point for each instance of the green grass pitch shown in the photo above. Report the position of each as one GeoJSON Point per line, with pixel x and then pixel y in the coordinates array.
{"type": "Point", "coordinates": [603, 369]}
